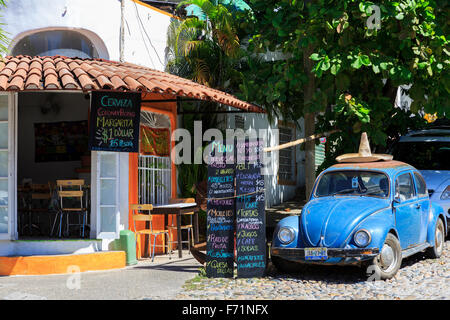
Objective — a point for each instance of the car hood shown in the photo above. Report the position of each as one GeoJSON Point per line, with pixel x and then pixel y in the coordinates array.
{"type": "Point", "coordinates": [328, 221]}
{"type": "Point", "coordinates": [436, 180]}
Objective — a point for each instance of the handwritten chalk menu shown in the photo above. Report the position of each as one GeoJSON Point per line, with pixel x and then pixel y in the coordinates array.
{"type": "Point", "coordinates": [220, 212]}
{"type": "Point", "coordinates": [250, 210]}
{"type": "Point", "coordinates": [114, 121]}
{"type": "Point", "coordinates": [236, 206]}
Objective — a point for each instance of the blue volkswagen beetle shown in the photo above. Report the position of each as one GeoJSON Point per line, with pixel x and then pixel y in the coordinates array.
{"type": "Point", "coordinates": [368, 213]}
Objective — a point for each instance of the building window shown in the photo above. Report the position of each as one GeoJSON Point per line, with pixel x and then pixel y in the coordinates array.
{"type": "Point", "coordinates": [287, 170]}
{"type": "Point", "coordinates": [239, 122]}
{"type": "Point", "coordinates": [56, 42]}
{"type": "Point", "coordinates": [154, 159]}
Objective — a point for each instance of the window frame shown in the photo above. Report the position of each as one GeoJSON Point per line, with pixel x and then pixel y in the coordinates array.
{"type": "Point", "coordinates": [346, 170]}
{"type": "Point", "coordinates": [418, 176]}
{"type": "Point", "coordinates": [413, 185]}
{"type": "Point", "coordinates": [289, 125]}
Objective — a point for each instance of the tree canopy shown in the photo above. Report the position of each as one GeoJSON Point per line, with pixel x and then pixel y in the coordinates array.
{"type": "Point", "coordinates": [357, 70]}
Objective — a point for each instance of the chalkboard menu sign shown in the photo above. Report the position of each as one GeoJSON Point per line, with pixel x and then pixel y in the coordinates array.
{"type": "Point", "coordinates": [250, 210]}
{"type": "Point", "coordinates": [220, 212]}
{"type": "Point", "coordinates": [114, 121]}
{"type": "Point", "coordinates": [236, 207]}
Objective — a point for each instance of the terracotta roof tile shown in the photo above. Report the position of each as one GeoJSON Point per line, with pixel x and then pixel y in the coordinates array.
{"type": "Point", "coordinates": [23, 65]}
{"type": "Point", "coordinates": [33, 81]}
{"type": "Point", "coordinates": [63, 73]}
{"type": "Point", "coordinates": [11, 65]}
{"type": "Point", "coordinates": [20, 73]}
{"type": "Point", "coordinates": [3, 82]}
{"type": "Point", "coordinates": [69, 82]}
{"type": "Point", "coordinates": [86, 82]}
{"type": "Point", "coordinates": [51, 81]}
{"type": "Point", "coordinates": [104, 82]}
{"type": "Point", "coordinates": [50, 71]}
{"type": "Point", "coordinates": [7, 72]}
{"type": "Point", "coordinates": [118, 83]}
{"type": "Point", "coordinates": [35, 65]}
{"type": "Point", "coordinates": [133, 84]}
{"type": "Point", "coordinates": [16, 83]}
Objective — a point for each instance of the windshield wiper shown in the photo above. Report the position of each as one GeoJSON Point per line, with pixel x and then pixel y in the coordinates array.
{"type": "Point", "coordinates": [343, 191]}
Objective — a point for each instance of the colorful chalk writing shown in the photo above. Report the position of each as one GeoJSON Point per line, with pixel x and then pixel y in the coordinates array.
{"type": "Point", "coordinates": [235, 208]}
{"type": "Point", "coordinates": [220, 212]}
{"type": "Point", "coordinates": [250, 211]}
{"type": "Point", "coordinates": [114, 121]}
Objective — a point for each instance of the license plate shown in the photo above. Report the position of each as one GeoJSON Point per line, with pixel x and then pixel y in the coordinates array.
{"type": "Point", "coordinates": [316, 254]}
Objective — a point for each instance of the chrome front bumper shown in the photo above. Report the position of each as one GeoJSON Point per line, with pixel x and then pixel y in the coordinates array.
{"type": "Point", "coordinates": [296, 254]}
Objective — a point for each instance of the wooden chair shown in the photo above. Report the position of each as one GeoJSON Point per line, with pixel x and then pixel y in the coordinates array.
{"type": "Point", "coordinates": [189, 227]}
{"type": "Point", "coordinates": [72, 190]}
{"type": "Point", "coordinates": [38, 202]}
{"type": "Point", "coordinates": [138, 216]}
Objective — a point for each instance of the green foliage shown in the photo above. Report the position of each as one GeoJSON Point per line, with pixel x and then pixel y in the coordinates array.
{"type": "Point", "coordinates": [4, 40]}
{"type": "Point", "coordinates": [410, 47]}
{"type": "Point", "coordinates": [206, 51]}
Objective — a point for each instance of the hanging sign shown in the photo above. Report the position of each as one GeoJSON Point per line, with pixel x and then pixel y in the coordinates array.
{"type": "Point", "coordinates": [220, 209]}
{"type": "Point", "coordinates": [250, 210]}
{"type": "Point", "coordinates": [114, 121]}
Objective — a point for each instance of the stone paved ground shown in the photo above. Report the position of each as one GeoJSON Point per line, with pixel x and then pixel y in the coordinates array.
{"type": "Point", "coordinates": [418, 278]}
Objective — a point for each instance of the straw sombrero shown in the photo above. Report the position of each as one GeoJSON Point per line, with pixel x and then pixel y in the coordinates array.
{"type": "Point", "coordinates": [364, 154]}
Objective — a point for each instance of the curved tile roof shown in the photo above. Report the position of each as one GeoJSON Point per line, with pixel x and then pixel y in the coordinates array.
{"type": "Point", "coordinates": [22, 73]}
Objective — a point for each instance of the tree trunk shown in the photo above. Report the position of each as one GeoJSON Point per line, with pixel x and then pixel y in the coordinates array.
{"type": "Point", "coordinates": [310, 120]}
{"type": "Point", "coordinates": [310, 148]}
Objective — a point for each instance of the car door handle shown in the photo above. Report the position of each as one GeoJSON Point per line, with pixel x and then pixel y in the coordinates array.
{"type": "Point", "coordinates": [418, 206]}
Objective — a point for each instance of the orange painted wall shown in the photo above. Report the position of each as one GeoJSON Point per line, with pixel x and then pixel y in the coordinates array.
{"type": "Point", "coordinates": [169, 109]}
{"type": "Point", "coordinates": [59, 264]}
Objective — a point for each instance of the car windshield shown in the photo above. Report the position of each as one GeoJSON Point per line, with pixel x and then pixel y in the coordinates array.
{"type": "Point", "coordinates": [353, 183]}
{"type": "Point", "coordinates": [424, 155]}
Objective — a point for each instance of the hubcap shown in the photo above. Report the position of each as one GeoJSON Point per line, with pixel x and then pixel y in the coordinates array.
{"type": "Point", "coordinates": [387, 256]}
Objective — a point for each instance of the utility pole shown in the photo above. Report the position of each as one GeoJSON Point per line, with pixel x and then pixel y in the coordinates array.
{"type": "Point", "coordinates": [122, 30]}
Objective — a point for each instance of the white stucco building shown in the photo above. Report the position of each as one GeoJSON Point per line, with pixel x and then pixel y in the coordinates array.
{"type": "Point", "coordinates": [95, 29]}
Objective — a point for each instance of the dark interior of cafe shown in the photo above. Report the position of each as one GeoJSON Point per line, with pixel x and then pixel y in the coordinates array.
{"type": "Point", "coordinates": [53, 166]}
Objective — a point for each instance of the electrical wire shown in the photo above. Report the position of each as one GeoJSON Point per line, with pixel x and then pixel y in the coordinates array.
{"type": "Point", "coordinates": [145, 44]}
{"type": "Point", "coordinates": [145, 31]}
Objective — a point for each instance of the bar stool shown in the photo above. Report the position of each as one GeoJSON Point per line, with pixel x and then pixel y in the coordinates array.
{"type": "Point", "coordinates": [189, 227]}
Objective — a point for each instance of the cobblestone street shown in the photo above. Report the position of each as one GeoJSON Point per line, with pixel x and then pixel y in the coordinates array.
{"type": "Point", "coordinates": [418, 278]}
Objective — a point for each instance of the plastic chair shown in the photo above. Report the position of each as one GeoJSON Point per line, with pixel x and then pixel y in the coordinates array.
{"type": "Point", "coordinates": [138, 216]}
{"type": "Point", "coordinates": [77, 198]}
{"type": "Point", "coordinates": [189, 227]}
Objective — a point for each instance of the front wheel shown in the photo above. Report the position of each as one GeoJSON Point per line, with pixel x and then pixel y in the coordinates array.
{"type": "Point", "coordinates": [387, 263]}
{"type": "Point", "coordinates": [439, 234]}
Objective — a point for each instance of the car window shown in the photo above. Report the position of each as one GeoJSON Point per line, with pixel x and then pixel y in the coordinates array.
{"type": "Point", "coordinates": [404, 187]}
{"type": "Point", "coordinates": [427, 155]}
{"type": "Point", "coordinates": [421, 186]}
{"type": "Point", "coordinates": [353, 183]}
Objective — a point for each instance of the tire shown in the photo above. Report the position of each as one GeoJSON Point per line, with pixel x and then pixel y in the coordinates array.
{"type": "Point", "coordinates": [387, 263]}
{"type": "Point", "coordinates": [439, 241]}
{"type": "Point", "coordinates": [285, 266]}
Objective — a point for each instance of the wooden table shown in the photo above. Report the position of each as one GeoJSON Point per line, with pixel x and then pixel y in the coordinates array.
{"type": "Point", "coordinates": [179, 209]}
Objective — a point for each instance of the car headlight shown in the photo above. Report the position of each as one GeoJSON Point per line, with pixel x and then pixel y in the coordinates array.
{"type": "Point", "coordinates": [446, 194]}
{"type": "Point", "coordinates": [362, 238]}
{"type": "Point", "coordinates": [286, 235]}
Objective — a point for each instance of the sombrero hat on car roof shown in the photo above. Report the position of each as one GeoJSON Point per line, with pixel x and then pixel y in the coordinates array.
{"type": "Point", "coordinates": [364, 154]}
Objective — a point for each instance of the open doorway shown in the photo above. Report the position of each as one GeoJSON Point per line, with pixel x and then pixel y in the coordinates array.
{"type": "Point", "coordinates": [53, 165]}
